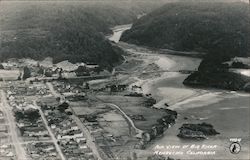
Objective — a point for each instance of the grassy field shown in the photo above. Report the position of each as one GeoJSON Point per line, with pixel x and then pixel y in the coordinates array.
{"type": "Point", "coordinates": [51, 101]}
{"type": "Point", "coordinates": [114, 124]}
{"type": "Point", "coordinates": [9, 74]}
{"type": "Point", "coordinates": [108, 119]}
{"type": "Point", "coordinates": [85, 108]}
{"type": "Point", "coordinates": [112, 131]}
{"type": "Point", "coordinates": [135, 106]}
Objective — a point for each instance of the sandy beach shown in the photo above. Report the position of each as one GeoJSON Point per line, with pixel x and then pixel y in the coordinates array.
{"type": "Point", "coordinates": [227, 111]}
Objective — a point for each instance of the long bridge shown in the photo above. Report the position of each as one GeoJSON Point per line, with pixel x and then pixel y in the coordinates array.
{"type": "Point", "coordinates": [148, 72]}
{"type": "Point", "coordinates": [107, 76]}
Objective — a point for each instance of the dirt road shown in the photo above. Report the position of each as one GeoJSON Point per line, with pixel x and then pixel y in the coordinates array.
{"type": "Point", "coordinates": [137, 130]}
{"type": "Point", "coordinates": [54, 140]}
{"type": "Point", "coordinates": [20, 152]}
{"type": "Point", "coordinates": [90, 139]}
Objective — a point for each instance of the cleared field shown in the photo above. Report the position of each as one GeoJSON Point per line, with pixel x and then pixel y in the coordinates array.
{"type": "Point", "coordinates": [9, 74]}
{"type": "Point", "coordinates": [135, 106]}
{"type": "Point", "coordinates": [85, 108]}
{"type": "Point", "coordinates": [51, 101]}
{"type": "Point", "coordinates": [112, 132]}
{"type": "Point", "coordinates": [114, 124]}
{"type": "Point", "coordinates": [109, 120]}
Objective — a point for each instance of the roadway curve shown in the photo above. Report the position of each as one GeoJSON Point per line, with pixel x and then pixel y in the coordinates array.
{"type": "Point", "coordinates": [137, 130]}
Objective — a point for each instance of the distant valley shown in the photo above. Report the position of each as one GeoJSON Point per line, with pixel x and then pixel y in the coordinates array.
{"type": "Point", "coordinates": [71, 31]}
{"type": "Point", "coordinates": [221, 30]}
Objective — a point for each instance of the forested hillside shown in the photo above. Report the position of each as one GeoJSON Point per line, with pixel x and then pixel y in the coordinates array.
{"type": "Point", "coordinates": [204, 27]}
{"type": "Point", "coordinates": [221, 30]}
{"type": "Point", "coordinates": [64, 30]}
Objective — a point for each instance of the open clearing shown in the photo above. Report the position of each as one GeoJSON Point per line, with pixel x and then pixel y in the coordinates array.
{"type": "Point", "coordinates": [136, 106]}
{"type": "Point", "coordinates": [108, 119]}
{"type": "Point", "coordinates": [114, 124]}
{"type": "Point", "coordinates": [9, 74]}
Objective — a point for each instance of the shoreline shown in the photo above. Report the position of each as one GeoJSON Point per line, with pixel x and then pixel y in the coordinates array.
{"type": "Point", "coordinates": [193, 105]}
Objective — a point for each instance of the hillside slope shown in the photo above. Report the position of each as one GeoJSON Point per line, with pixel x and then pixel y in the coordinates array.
{"type": "Point", "coordinates": [221, 30]}
{"type": "Point", "coordinates": [205, 27]}
{"type": "Point", "coordinates": [71, 31]}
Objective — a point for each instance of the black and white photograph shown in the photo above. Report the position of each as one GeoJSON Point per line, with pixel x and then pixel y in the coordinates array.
{"type": "Point", "coordinates": [124, 79]}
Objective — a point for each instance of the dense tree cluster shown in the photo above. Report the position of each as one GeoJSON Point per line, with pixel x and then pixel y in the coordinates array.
{"type": "Point", "coordinates": [72, 31]}
{"type": "Point", "coordinates": [26, 73]}
{"type": "Point", "coordinates": [1, 66]}
{"type": "Point", "coordinates": [62, 107]}
{"type": "Point", "coordinates": [30, 114]}
{"type": "Point", "coordinates": [221, 30]}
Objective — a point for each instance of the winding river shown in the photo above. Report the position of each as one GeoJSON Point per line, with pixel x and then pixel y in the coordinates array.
{"type": "Point", "coordinates": [227, 111]}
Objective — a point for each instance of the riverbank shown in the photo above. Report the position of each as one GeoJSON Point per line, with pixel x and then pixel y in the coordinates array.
{"type": "Point", "coordinates": [223, 109]}
{"type": "Point", "coordinates": [227, 111]}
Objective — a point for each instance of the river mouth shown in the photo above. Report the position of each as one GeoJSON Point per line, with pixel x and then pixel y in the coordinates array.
{"type": "Point", "coordinates": [227, 111]}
